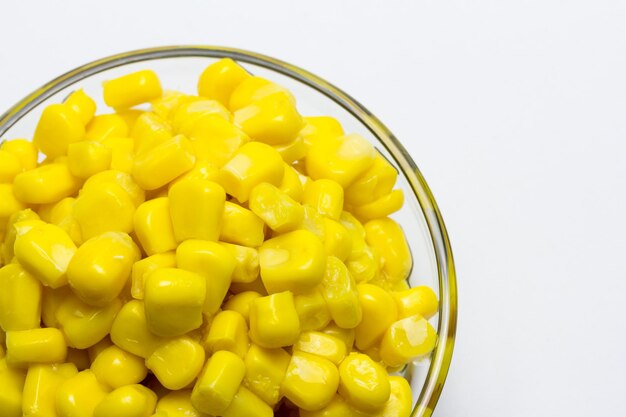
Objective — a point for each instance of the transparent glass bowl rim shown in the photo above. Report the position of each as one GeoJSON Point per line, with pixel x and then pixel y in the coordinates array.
{"type": "Point", "coordinates": [442, 354]}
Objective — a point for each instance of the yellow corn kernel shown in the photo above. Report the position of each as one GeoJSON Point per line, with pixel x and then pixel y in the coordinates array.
{"type": "Point", "coordinates": [20, 299]}
{"type": "Point", "coordinates": [105, 126]}
{"type": "Point", "coordinates": [363, 383]}
{"type": "Point", "coordinates": [343, 159]}
{"type": "Point", "coordinates": [45, 251]}
{"type": "Point", "coordinates": [7, 247]}
{"type": "Point", "coordinates": [311, 381]}
{"type": "Point", "coordinates": [246, 403]}
{"type": "Point", "coordinates": [279, 211]}
{"type": "Point", "coordinates": [177, 363]}
{"type": "Point", "coordinates": [202, 170]}
{"type": "Point", "coordinates": [196, 208]}
{"type": "Point", "coordinates": [322, 345]}
{"type": "Point", "coordinates": [122, 153]}
{"type": "Point", "coordinates": [45, 184]}
{"type": "Point", "coordinates": [189, 113]}
{"type": "Point", "coordinates": [115, 368]}
{"type": "Point", "coordinates": [12, 383]}
{"type": "Point", "coordinates": [379, 312]}
{"type": "Point", "coordinates": [241, 226]}
{"type": "Point", "coordinates": [177, 404]}
{"type": "Point", "coordinates": [105, 209]}
{"type": "Point", "coordinates": [312, 310]}
{"type": "Point", "coordinates": [386, 237]}
{"type": "Point", "coordinates": [168, 102]}
{"type": "Point", "coordinates": [339, 291]}
{"type": "Point", "coordinates": [25, 347]}
{"type": "Point", "coordinates": [218, 383]}
{"type": "Point", "coordinates": [336, 408]}
{"type": "Point", "coordinates": [274, 320]}
{"type": "Point", "coordinates": [376, 182]}
{"type": "Point", "coordinates": [24, 150]}
{"type": "Point", "coordinates": [82, 104]}
{"type": "Point", "coordinates": [326, 196]}
{"type": "Point", "coordinates": [51, 300]}
{"type": "Point", "coordinates": [150, 130]}
{"type": "Point", "coordinates": [313, 222]}
{"type": "Point", "coordinates": [228, 332]}
{"type": "Point", "coordinates": [42, 382]}
{"type": "Point", "coordinates": [253, 89]}
{"type": "Point", "coordinates": [58, 126]}
{"type": "Point", "coordinates": [132, 89]}
{"type": "Point", "coordinates": [420, 300]}
{"type": "Point", "coordinates": [79, 395]}
{"type": "Point", "coordinates": [291, 184]}
{"type": "Point", "coordinates": [10, 166]}
{"type": "Point", "coordinates": [153, 226]}
{"type": "Point", "coordinates": [9, 204]}
{"type": "Point", "coordinates": [87, 158]}
{"type": "Point", "coordinates": [130, 330]}
{"type": "Point", "coordinates": [161, 164]}
{"type": "Point", "coordinates": [320, 128]}
{"type": "Point", "coordinates": [337, 239]}
{"type": "Point", "coordinates": [400, 401]}
{"type": "Point", "coordinates": [265, 372]}
{"type": "Point", "coordinates": [94, 351]}
{"type": "Point", "coordinates": [214, 262]}
{"type": "Point", "coordinates": [345, 335]}
{"type": "Point", "coordinates": [146, 265]}
{"type": "Point", "coordinates": [363, 264]}
{"type": "Point", "coordinates": [251, 165]}
{"type": "Point", "coordinates": [174, 299]}
{"type": "Point", "coordinates": [130, 117]}
{"type": "Point", "coordinates": [78, 358]}
{"type": "Point", "coordinates": [241, 303]}
{"type": "Point", "coordinates": [219, 79]}
{"type": "Point", "coordinates": [406, 340]}
{"type": "Point", "coordinates": [380, 208]}
{"type": "Point", "coordinates": [292, 151]}
{"type": "Point", "coordinates": [122, 179]}
{"type": "Point", "coordinates": [127, 401]}
{"type": "Point", "coordinates": [215, 139]}
{"type": "Point", "coordinates": [294, 261]}
{"type": "Point", "coordinates": [101, 267]}
{"type": "Point", "coordinates": [246, 262]}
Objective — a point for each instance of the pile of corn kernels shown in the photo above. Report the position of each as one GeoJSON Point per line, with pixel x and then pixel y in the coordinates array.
{"type": "Point", "coordinates": [209, 255]}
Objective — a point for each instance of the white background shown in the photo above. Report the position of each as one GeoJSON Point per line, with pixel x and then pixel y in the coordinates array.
{"type": "Point", "coordinates": [515, 112]}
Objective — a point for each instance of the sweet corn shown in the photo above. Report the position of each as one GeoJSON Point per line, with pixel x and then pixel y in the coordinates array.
{"type": "Point", "coordinates": [149, 131]}
{"type": "Point", "coordinates": [130, 330]}
{"type": "Point", "coordinates": [292, 151]}
{"type": "Point", "coordinates": [337, 239]}
{"type": "Point", "coordinates": [12, 383]}
{"type": "Point", "coordinates": [108, 208]}
{"type": "Point", "coordinates": [196, 208]}
{"type": "Point", "coordinates": [169, 101]}
{"type": "Point", "coordinates": [161, 164]}
{"type": "Point", "coordinates": [51, 300]}
{"type": "Point", "coordinates": [376, 182]}
{"type": "Point", "coordinates": [45, 184]}
{"type": "Point", "coordinates": [420, 300]}
{"type": "Point", "coordinates": [313, 222]}
{"type": "Point", "coordinates": [85, 159]}
{"type": "Point", "coordinates": [345, 335]}
{"type": "Point", "coordinates": [241, 303]}
{"type": "Point", "coordinates": [320, 128]}
{"type": "Point", "coordinates": [253, 89]}
{"type": "Point", "coordinates": [339, 291]}
{"type": "Point", "coordinates": [202, 170]}
{"type": "Point", "coordinates": [245, 403]}
{"type": "Point", "coordinates": [326, 196]}
{"type": "Point", "coordinates": [363, 264]}
{"type": "Point", "coordinates": [246, 263]}
{"type": "Point", "coordinates": [293, 262]}
{"type": "Point", "coordinates": [380, 208]}
{"type": "Point", "coordinates": [94, 351]}
{"type": "Point", "coordinates": [311, 381]}
{"type": "Point", "coordinates": [115, 368]}
{"type": "Point", "coordinates": [336, 408]}
{"type": "Point", "coordinates": [58, 126]}
{"type": "Point", "coordinates": [79, 395]}
{"type": "Point", "coordinates": [25, 347]}
{"type": "Point", "coordinates": [42, 382]}
{"type": "Point", "coordinates": [363, 383]}
{"type": "Point", "coordinates": [177, 404]}
{"type": "Point", "coordinates": [265, 370]}
{"type": "Point", "coordinates": [216, 139]}
{"type": "Point", "coordinates": [130, 117]}
{"type": "Point", "coordinates": [228, 332]}
{"type": "Point", "coordinates": [82, 104]}
{"type": "Point", "coordinates": [10, 166]}
{"type": "Point", "coordinates": [219, 79]}
{"type": "Point", "coordinates": [132, 89]}
{"type": "Point", "coordinates": [214, 262]}
{"type": "Point", "coordinates": [9, 204]}
{"type": "Point", "coordinates": [105, 126]}
{"type": "Point", "coordinates": [145, 266]}
{"type": "Point", "coordinates": [252, 164]}
{"type": "Point", "coordinates": [24, 150]}
{"type": "Point", "coordinates": [122, 179]}
{"type": "Point", "coordinates": [218, 383]}
{"type": "Point", "coordinates": [379, 312]}
{"type": "Point", "coordinates": [7, 249]}
{"type": "Point", "coordinates": [406, 340]}
{"type": "Point", "coordinates": [312, 310]}
{"type": "Point", "coordinates": [291, 184]}
{"type": "Point", "coordinates": [189, 113]}
{"type": "Point", "coordinates": [20, 299]}
{"type": "Point", "coordinates": [177, 363]}
{"type": "Point", "coordinates": [400, 401]}
{"type": "Point", "coordinates": [387, 238]}
{"type": "Point", "coordinates": [122, 153]}
{"type": "Point", "coordinates": [153, 226]}
{"type": "Point", "coordinates": [127, 401]}
{"type": "Point", "coordinates": [241, 226]}
{"type": "Point", "coordinates": [322, 345]}
{"type": "Point", "coordinates": [279, 211]}
{"type": "Point", "coordinates": [274, 320]}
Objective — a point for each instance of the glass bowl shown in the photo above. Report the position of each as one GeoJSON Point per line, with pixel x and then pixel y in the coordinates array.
{"type": "Point", "coordinates": [179, 68]}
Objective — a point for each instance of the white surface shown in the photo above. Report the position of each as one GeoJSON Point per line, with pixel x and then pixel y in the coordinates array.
{"type": "Point", "coordinates": [514, 110]}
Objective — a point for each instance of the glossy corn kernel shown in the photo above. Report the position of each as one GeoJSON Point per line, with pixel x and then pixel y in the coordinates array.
{"type": "Point", "coordinates": [45, 184]}
{"type": "Point", "coordinates": [312, 310]}
{"type": "Point", "coordinates": [219, 79]}
{"type": "Point", "coordinates": [127, 401]}
{"type": "Point", "coordinates": [376, 182]}
{"type": "Point", "coordinates": [293, 262]}
{"type": "Point", "coordinates": [229, 332]}
{"type": "Point", "coordinates": [379, 312]}
{"type": "Point", "coordinates": [202, 170]}
{"type": "Point", "coordinates": [105, 126]}
{"type": "Point", "coordinates": [160, 165]}
{"type": "Point", "coordinates": [79, 395]}
{"type": "Point", "coordinates": [9, 204]}
{"type": "Point", "coordinates": [189, 113]}
{"type": "Point", "coordinates": [115, 368]}
{"type": "Point", "coordinates": [45, 251]}
{"type": "Point", "coordinates": [313, 222]}
{"type": "Point", "coordinates": [381, 207]}
{"type": "Point", "coordinates": [246, 263]}
{"type": "Point", "coordinates": [265, 372]}
{"type": "Point", "coordinates": [25, 347]}
{"type": "Point", "coordinates": [320, 128]}
{"type": "Point", "coordinates": [241, 303]}
{"type": "Point", "coordinates": [292, 151]}
{"type": "Point", "coordinates": [95, 350]}
{"type": "Point", "coordinates": [51, 301]}
{"type": "Point", "coordinates": [218, 383]}
{"type": "Point", "coordinates": [241, 226]}
{"type": "Point", "coordinates": [132, 89]}
{"type": "Point", "coordinates": [253, 89]}
{"type": "Point", "coordinates": [337, 239]}
{"type": "Point", "coordinates": [12, 383]}
{"type": "Point", "coordinates": [85, 159]}
{"type": "Point", "coordinates": [122, 153]}
{"type": "Point", "coordinates": [386, 237]}
{"type": "Point", "coordinates": [10, 166]}
{"type": "Point", "coordinates": [406, 340]}
{"type": "Point", "coordinates": [42, 382]}
{"type": "Point", "coordinates": [196, 208]}
{"type": "Point", "coordinates": [363, 383]}
{"type": "Point", "coordinates": [153, 226]}
{"type": "Point", "coordinates": [420, 300]}
{"type": "Point", "coordinates": [82, 104]}
{"type": "Point", "coordinates": [279, 211]}
{"type": "Point", "coordinates": [58, 126]}
{"type": "Point", "coordinates": [251, 165]}
{"type": "Point", "coordinates": [146, 265]}
{"type": "Point", "coordinates": [274, 320]}
{"type": "Point", "coordinates": [7, 247]}
{"type": "Point", "coordinates": [326, 196]}
{"type": "Point", "coordinates": [337, 407]}
{"type": "Point", "coordinates": [177, 363]}
{"type": "Point", "coordinates": [108, 208]}
{"type": "Point", "coordinates": [347, 336]}
{"type": "Point", "coordinates": [291, 184]}
{"type": "Point", "coordinates": [121, 179]}
{"type": "Point", "coordinates": [24, 150]}
{"type": "Point", "coordinates": [130, 117]}
{"type": "Point", "coordinates": [215, 139]}
{"type": "Point", "coordinates": [246, 403]}
{"type": "Point", "coordinates": [177, 404]}
{"type": "Point", "coordinates": [400, 401]}
{"type": "Point", "coordinates": [149, 131]}
{"type": "Point", "coordinates": [130, 330]}
{"type": "Point", "coordinates": [363, 264]}
{"type": "Point", "coordinates": [20, 299]}
{"type": "Point", "coordinates": [339, 291]}
{"type": "Point", "coordinates": [322, 345]}
{"type": "Point", "coordinates": [311, 381]}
